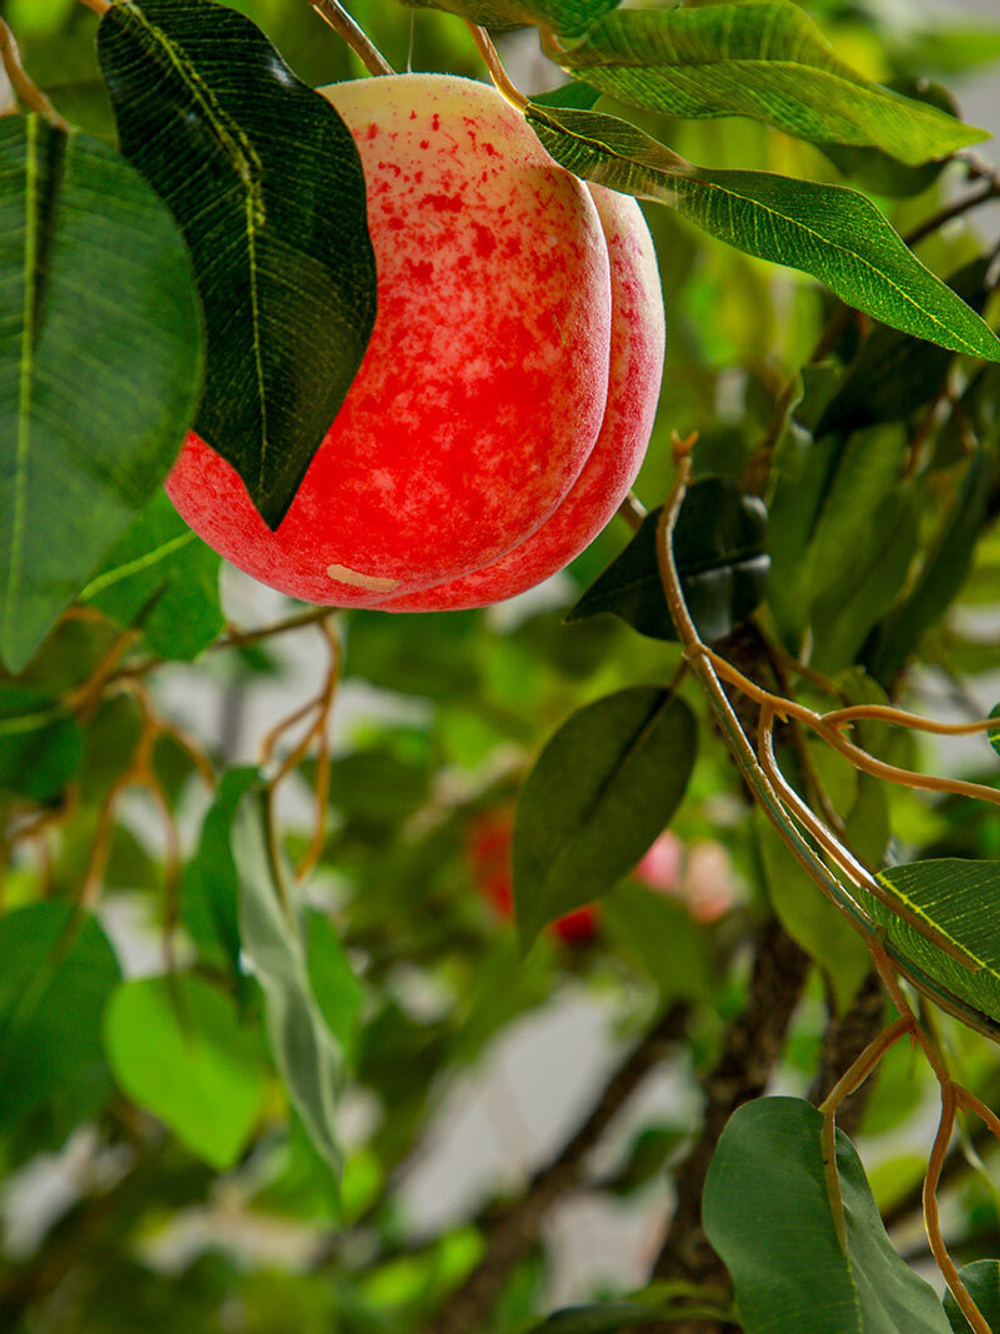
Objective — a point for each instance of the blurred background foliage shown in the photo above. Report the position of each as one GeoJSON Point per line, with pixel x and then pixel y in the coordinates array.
{"type": "Point", "coordinates": [143, 1193]}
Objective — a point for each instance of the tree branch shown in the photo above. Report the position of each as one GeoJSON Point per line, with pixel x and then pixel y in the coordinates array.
{"type": "Point", "coordinates": [512, 1229]}
{"type": "Point", "coordinates": [845, 1039]}
{"type": "Point", "coordinates": [333, 13]}
{"type": "Point", "coordinates": [751, 1048]}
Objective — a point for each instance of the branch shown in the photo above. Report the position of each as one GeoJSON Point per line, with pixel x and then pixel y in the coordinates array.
{"type": "Point", "coordinates": [989, 191]}
{"type": "Point", "coordinates": [751, 1048]}
{"type": "Point", "coordinates": [513, 1229]}
{"type": "Point", "coordinates": [333, 13]}
{"type": "Point", "coordinates": [846, 1037]}
{"type": "Point", "coordinates": [31, 97]}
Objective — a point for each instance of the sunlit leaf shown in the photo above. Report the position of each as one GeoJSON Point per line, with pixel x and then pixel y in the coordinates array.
{"type": "Point", "coordinates": [835, 234]}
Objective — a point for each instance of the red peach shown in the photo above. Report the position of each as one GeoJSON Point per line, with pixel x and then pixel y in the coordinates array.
{"type": "Point", "coordinates": [482, 392]}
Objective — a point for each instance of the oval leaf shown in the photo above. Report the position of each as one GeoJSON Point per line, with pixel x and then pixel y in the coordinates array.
{"type": "Point", "coordinates": [265, 182]}
{"type": "Point", "coordinates": [58, 972]}
{"type": "Point", "coordinates": [765, 59]}
{"type": "Point", "coordinates": [767, 1213]}
{"type": "Point", "coordinates": [720, 545]}
{"type": "Point", "coordinates": [983, 1282]}
{"type": "Point", "coordinates": [829, 231]}
{"type": "Point", "coordinates": [94, 269]}
{"type": "Point", "coordinates": [601, 791]}
{"type": "Point", "coordinates": [960, 900]}
{"type": "Point", "coordinates": [177, 1048]}
{"type": "Point", "coordinates": [303, 1046]}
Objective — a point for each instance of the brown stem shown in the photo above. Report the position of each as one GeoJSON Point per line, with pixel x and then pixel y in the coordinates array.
{"type": "Point", "coordinates": [751, 1048]}
{"type": "Point", "coordinates": [33, 98]}
{"type": "Point", "coordinates": [991, 190]}
{"type": "Point", "coordinates": [633, 511]}
{"type": "Point", "coordinates": [846, 1037]}
{"type": "Point", "coordinates": [99, 7]}
{"type": "Point", "coordinates": [334, 13]}
{"type": "Point", "coordinates": [501, 79]}
{"type": "Point", "coordinates": [513, 1229]}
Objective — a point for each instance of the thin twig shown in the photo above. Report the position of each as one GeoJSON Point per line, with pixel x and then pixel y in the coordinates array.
{"type": "Point", "coordinates": [501, 79]}
{"type": "Point", "coordinates": [31, 96]}
{"type": "Point", "coordinates": [334, 13]}
{"type": "Point", "coordinates": [991, 190]}
{"type": "Point", "coordinates": [633, 511]}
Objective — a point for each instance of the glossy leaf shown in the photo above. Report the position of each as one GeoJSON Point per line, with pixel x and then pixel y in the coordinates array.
{"type": "Point", "coordinates": [893, 376]}
{"type": "Point", "coordinates": [162, 577]}
{"type": "Point", "coordinates": [765, 59]}
{"type": "Point", "coordinates": [835, 234]}
{"type": "Point", "coordinates": [961, 900]}
{"type": "Point", "coordinates": [265, 182]}
{"type": "Point", "coordinates": [720, 545]}
{"type": "Point", "coordinates": [40, 744]}
{"type": "Point", "coordinates": [303, 1046]}
{"type": "Point", "coordinates": [767, 1214]}
{"type": "Point", "coordinates": [600, 792]}
{"type": "Point", "coordinates": [58, 972]}
{"type": "Point", "coordinates": [177, 1048]}
{"type": "Point", "coordinates": [982, 1280]}
{"type": "Point", "coordinates": [92, 268]}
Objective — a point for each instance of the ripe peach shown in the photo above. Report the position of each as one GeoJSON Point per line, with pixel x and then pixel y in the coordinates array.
{"type": "Point", "coordinates": [509, 384]}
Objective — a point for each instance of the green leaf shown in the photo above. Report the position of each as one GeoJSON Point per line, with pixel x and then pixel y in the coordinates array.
{"type": "Point", "coordinates": [765, 59]}
{"type": "Point", "coordinates": [161, 576]}
{"type": "Point", "coordinates": [307, 1054]}
{"type": "Point", "coordinates": [210, 887]}
{"type": "Point", "coordinates": [58, 972]}
{"type": "Point", "coordinates": [40, 744]}
{"type": "Point", "coordinates": [177, 1048]}
{"type": "Point", "coordinates": [600, 792]}
{"type": "Point", "coordinates": [983, 1282]}
{"type": "Point", "coordinates": [833, 233]}
{"type": "Point", "coordinates": [941, 576]}
{"type": "Point", "coordinates": [720, 545]}
{"type": "Point", "coordinates": [265, 182]}
{"type": "Point", "coordinates": [894, 375]}
{"type": "Point", "coordinates": [566, 16]}
{"type": "Point", "coordinates": [93, 269]}
{"type": "Point", "coordinates": [662, 936]}
{"type": "Point", "coordinates": [961, 901]}
{"type": "Point", "coordinates": [606, 1319]}
{"type": "Point", "coordinates": [767, 1213]}
{"type": "Point", "coordinates": [338, 992]}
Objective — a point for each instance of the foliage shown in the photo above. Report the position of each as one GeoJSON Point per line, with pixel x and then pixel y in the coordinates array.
{"type": "Point", "coordinates": [248, 964]}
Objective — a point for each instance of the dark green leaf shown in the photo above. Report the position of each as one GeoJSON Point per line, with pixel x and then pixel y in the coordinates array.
{"type": "Point", "coordinates": [177, 1048]}
{"type": "Point", "coordinates": [94, 269]}
{"type": "Point", "coordinates": [942, 575]}
{"type": "Point", "coordinates": [601, 791]}
{"type": "Point", "coordinates": [720, 545]}
{"type": "Point", "coordinates": [662, 936]}
{"type": "Point", "coordinates": [833, 233]}
{"type": "Point", "coordinates": [58, 972]}
{"type": "Point", "coordinates": [306, 1052]}
{"type": "Point", "coordinates": [40, 746]}
{"type": "Point", "coordinates": [647, 1159]}
{"type": "Point", "coordinates": [607, 1319]}
{"type": "Point", "coordinates": [767, 1213]}
{"type": "Point", "coordinates": [265, 183]}
{"type": "Point", "coordinates": [983, 1282]}
{"type": "Point", "coordinates": [210, 888]}
{"type": "Point", "coordinates": [894, 375]}
{"type": "Point", "coordinates": [161, 576]}
{"type": "Point", "coordinates": [762, 58]}
{"type": "Point", "coordinates": [961, 900]}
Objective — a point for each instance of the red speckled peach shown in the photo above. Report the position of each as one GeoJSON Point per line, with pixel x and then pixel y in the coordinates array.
{"type": "Point", "coordinates": [637, 345]}
{"type": "Point", "coordinates": [484, 386]}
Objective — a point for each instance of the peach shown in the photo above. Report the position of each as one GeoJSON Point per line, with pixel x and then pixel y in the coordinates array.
{"type": "Point", "coordinates": [506, 397]}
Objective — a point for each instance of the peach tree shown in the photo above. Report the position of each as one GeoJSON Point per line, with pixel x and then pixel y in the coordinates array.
{"type": "Point", "coordinates": [607, 418]}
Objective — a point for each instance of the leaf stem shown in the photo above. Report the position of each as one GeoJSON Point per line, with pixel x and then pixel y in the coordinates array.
{"type": "Point", "coordinates": [99, 7]}
{"type": "Point", "coordinates": [334, 13]}
{"type": "Point", "coordinates": [633, 511]}
{"type": "Point", "coordinates": [31, 96]}
{"type": "Point", "coordinates": [501, 80]}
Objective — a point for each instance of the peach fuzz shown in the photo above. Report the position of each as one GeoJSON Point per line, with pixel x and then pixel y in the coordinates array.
{"type": "Point", "coordinates": [505, 377]}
